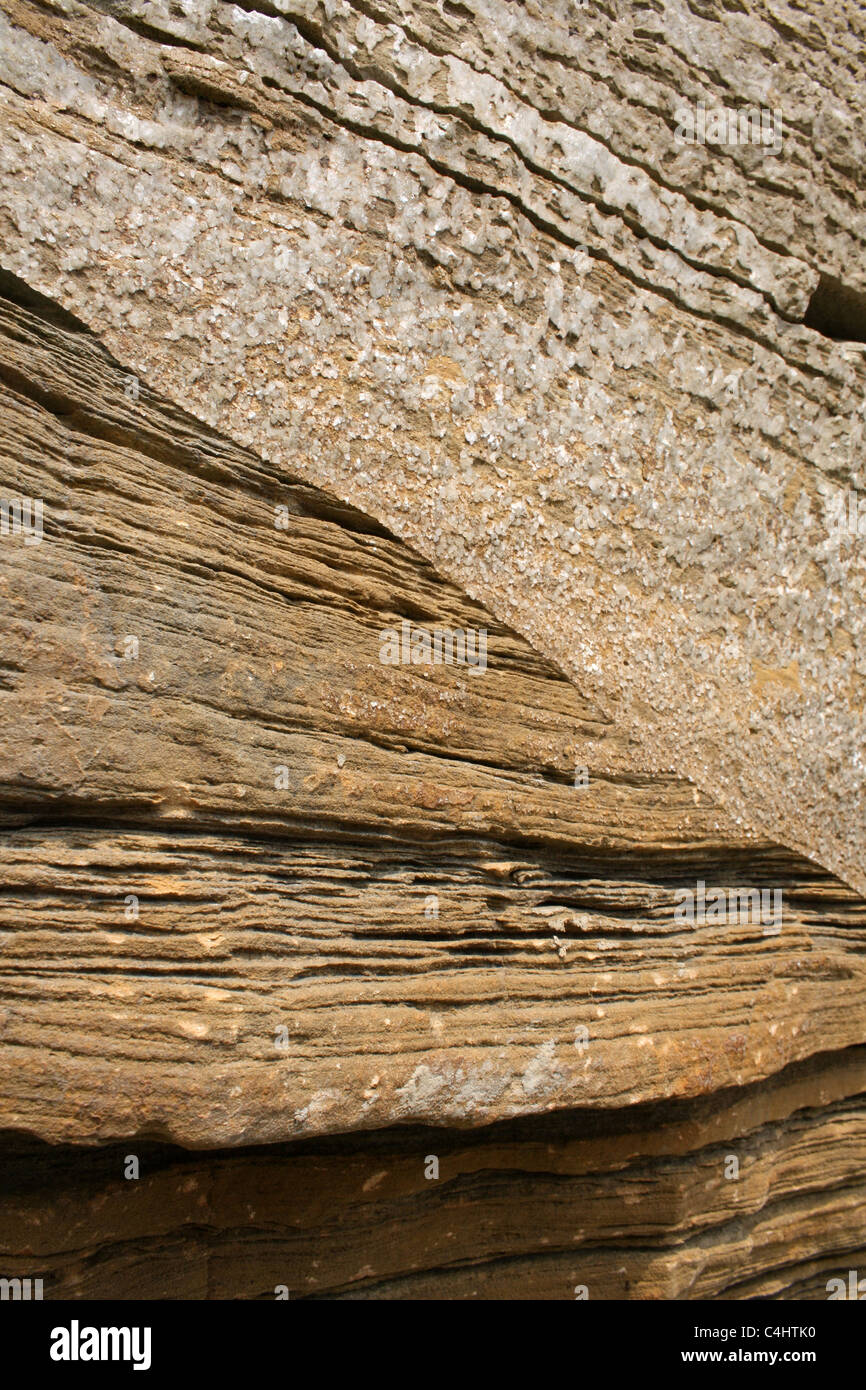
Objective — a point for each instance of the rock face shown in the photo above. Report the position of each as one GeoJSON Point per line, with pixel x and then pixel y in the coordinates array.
{"type": "Point", "coordinates": [461, 268]}
{"type": "Point", "coordinates": [638, 1204]}
{"type": "Point", "coordinates": [535, 969]}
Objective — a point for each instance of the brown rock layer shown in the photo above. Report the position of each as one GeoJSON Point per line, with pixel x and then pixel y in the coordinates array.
{"type": "Point", "coordinates": [251, 824]}
{"type": "Point", "coordinates": [463, 267]}
{"type": "Point", "coordinates": [377, 973]}
{"type": "Point", "coordinates": [757, 1193]}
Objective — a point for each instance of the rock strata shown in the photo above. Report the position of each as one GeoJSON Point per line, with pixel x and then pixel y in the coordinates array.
{"type": "Point", "coordinates": [432, 831]}
{"type": "Point", "coordinates": [458, 266]}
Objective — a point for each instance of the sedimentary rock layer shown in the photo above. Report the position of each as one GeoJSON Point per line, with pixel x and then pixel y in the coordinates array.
{"type": "Point", "coordinates": [458, 265]}
{"type": "Point", "coordinates": [258, 884]}
{"type": "Point", "coordinates": [757, 1193]}
{"type": "Point", "coordinates": [335, 336]}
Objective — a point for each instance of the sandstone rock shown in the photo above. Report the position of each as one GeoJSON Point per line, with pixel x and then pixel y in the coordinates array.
{"type": "Point", "coordinates": [227, 817]}
{"type": "Point", "coordinates": [282, 918]}
{"type": "Point", "coordinates": [459, 268]}
{"type": "Point", "coordinates": [724, 1198]}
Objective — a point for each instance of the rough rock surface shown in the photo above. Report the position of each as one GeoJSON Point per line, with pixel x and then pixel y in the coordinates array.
{"type": "Point", "coordinates": [638, 1204]}
{"type": "Point", "coordinates": [453, 262]}
{"type": "Point", "coordinates": [261, 889]}
{"type": "Point", "coordinates": [423, 897]}
{"type": "Point", "coordinates": [448, 929]}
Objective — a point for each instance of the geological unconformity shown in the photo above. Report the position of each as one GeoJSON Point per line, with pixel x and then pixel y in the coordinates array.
{"type": "Point", "coordinates": [462, 896]}
{"type": "Point", "coordinates": [262, 885]}
{"type": "Point", "coordinates": [467, 271]}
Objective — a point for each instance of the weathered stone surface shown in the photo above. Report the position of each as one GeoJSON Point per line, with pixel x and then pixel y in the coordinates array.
{"type": "Point", "coordinates": [637, 1204]}
{"type": "Point", "coordinates": [261, 889]}
{"type": "Point", "coordinates": [456, 265]}
{"type": "Point", "coordinates": [450, 930]}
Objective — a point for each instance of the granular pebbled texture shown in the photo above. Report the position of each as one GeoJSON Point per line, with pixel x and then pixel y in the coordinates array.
{"type": "Point", "coordinates": [457, 268]}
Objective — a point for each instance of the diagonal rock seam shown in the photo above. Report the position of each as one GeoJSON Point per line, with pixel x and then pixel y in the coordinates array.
{"type": "Point", "coordinates": [378, 972]}
{"type": "Point", "coordinates": [429, 842]}
{"type": "Point", "coordinates": [780, 720]}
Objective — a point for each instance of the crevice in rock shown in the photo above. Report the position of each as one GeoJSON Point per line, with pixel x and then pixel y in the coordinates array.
{"type": "Point", "coordinates": [18, 292]}
{"type": "Point", "coordinates": [837, 311]}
